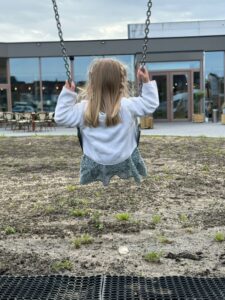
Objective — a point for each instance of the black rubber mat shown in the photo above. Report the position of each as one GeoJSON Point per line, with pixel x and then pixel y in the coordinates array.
{"type": "Point", "coordinates": [59, 287]}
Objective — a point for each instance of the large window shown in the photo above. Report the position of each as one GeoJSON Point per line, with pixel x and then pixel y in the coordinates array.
{"type": "Point", "coordinates": [53, 75]}
{"type": "Point", "coordinates": [214, 81]}
{"type": "Point", "coordinates": [81, 66]}
{"type": "Point", "coordinates": [3, 100]}
{"type": "Point", "coordinates": [25, 84]}
{"type": "Point", "coordinates": [3, 72]}
{"type": "Point", "coordinates": [173, 65]}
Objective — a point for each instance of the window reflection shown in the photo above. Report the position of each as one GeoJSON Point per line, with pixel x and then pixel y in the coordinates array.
{"type": "Point", "coordinates": [53, 76]}
{"type": "Point", "coordinates": [25, 85]}
{"type": "Point", "coordinates": [198, 95]}
{"type": "Point", "coordinates": [173, 65]}
{"type": "Point", "coordinates": [81, 67]}
{"type": "Point", "coordinates": [3, 100]}
{"type": "Point", "coordinates": [180, 96]}
{"type": "Point", "coordinates": [3, 68]}
{"type": "Point", "coordinates": [214, 81]}
{"type": "Point", "coordinates": [161, 112]}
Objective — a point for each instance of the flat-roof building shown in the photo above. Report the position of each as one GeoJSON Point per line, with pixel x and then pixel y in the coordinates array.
{"type": "Point", "coordinates": [32, 74]}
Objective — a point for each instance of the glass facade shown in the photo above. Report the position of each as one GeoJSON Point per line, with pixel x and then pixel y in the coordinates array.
{"type": "Point", "coordinates": [25, 84]}
{"type": "Point", "coordinates": [53, 77]}
{"type": "Point", "coordinates": [82, 63]}
{"type": "Point", "coordinates": [81, 66]}
{"type": "Point", "coordinates": [198, 95]}
{"type": "Point", "coordinates": [161, 112]}
{"type": "Point", "coordinates": [3, 100]}
{"type": "Point", "coordinates": [214, 81]}
{"type": "Point", "coordinates": [180, 96]}
{"type": "Point", "coordinates": [29, 75]}
{"type": "Point", "coordinates": [3, 72]}
{"type": "Point", "coordinates": [173, 65]}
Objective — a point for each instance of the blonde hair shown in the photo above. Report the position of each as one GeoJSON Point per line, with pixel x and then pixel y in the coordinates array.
{"type": "Point", "coordinates": [106, 85]}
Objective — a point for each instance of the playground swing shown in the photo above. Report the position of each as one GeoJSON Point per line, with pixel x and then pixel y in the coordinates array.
{"type": "Point", "coordinates": [66, 58]}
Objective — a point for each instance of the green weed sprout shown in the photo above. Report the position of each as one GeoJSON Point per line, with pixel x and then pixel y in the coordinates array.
{"type": "Point", "coordinates": [71, 188]}
{"type": "Point", "coordinates": [62, 265]}
{"type": "Point", "coordinates": [220, 237]}
{"type": "Point", "coordinates": [10, 230]}
{"type": "Point", "coordinates": [123, 216]}
{"type": "Point", "coordinates": [79, 213]}
{"type": "Point", "coordinates": [84, 239]}
{"type": "Point", "coordinates": [153, 257]}
{"type": "Point", "coordinates": [156, 219]}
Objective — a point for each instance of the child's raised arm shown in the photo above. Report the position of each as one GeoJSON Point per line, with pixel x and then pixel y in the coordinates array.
{"type": "Point", "coordinates": [149, 99]}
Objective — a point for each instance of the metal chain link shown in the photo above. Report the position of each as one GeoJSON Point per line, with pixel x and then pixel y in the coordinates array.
{"type": "Point", "coordinates": [62, 44]}
{"type": "Point", "coordinates": [147, 24]}
{"type": "Point", "coordinates": [145, 45]}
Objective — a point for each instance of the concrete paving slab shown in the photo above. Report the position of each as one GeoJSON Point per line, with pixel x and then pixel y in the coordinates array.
{"type": "Point", "coordinates": [160, 128]}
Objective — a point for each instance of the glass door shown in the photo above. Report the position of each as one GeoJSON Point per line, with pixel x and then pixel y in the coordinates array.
{"type": "Point", "coordinates": [162, 83]}
{"type": "Point", "coordinates": [3, 99]}
{"type": "Point", "coordinates": [180, 95]}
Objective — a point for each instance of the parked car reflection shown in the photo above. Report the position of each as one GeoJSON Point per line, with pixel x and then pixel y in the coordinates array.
{"type": "Point", "coordinates": [22, 108]}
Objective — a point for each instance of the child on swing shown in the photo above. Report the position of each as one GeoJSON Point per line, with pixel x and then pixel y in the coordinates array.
{"type": "Point", "coordinates": [107, 121]}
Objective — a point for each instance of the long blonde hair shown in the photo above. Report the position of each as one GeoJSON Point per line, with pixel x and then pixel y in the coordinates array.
{"type": "Point", "coordinates": [106, 85]}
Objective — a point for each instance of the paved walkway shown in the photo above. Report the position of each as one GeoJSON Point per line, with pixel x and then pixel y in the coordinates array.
{"type": "Point", "coordinates": [162, 128]}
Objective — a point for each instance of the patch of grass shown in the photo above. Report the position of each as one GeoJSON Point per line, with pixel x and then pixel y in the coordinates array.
{"type": "Point", "coordinates": [183, 218]}
{"type": "Point", "coordinates": [205, 168]}
{"type": "Point", "coordinates": [189, 230]}
{"type": "Point", "coordinates": [61, 202]}
{"type": "Point", "coordinates": [10, 230]}
{"type": "Point", "coordinates": [62, 265]}
{"type": "Point", "coordinates": [79, 213]}
{"type": "Point", "coordinates": [78, 202]}
{"type": "Point", "coordinates": [96, 220]}
{"type": "Point", "coordinates": [84, 239]}
{"type": "Point", "coordinates": [156, 219]}
{"type": "Point", "coordinates": [153, 257]}
{"type": "Point", "coordinates": [156, 177]}
{"type": "Point", "coordinates": [219, 237]}
{"type": "Point", "coordinates": [123, 216]}
{"type": "Point", "coordinates": [71, 188]}
{"type": "Point", "coordinates": [49, 209]}
{"type": "Point", "coordinates": [164, 240]}
{"type": "Point", "coordinates": [98, 194]}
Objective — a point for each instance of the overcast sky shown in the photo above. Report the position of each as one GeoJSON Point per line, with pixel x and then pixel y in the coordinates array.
{"type": "Point", "coordinates": [33, 20]}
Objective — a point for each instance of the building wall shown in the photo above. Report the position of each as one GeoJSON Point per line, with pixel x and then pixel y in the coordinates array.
{"type": "Point", "coordinates": [33, 73]}
{"type": "Point", "coordinates": [178, 29]}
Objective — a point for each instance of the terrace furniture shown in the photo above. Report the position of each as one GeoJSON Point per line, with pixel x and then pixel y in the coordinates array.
{"type": "Point", "coordinates": [28, 117]}
{"type": "Point", "coordinates": [9, 120]}
{"type": "Point", "coordinates": [2, 118]}
{"type": "Point", "coordinates": [21, 122]}
{"type": "Point", "coordinates": [50, 120]}
{"type": "Point", "coordinates": [41, 120]}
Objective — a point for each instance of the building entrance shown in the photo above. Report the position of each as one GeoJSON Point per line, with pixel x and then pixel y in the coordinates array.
{"type": "Point", "coordinates": [175, 95]}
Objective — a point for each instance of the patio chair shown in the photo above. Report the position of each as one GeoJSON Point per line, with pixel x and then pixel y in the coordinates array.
{"type": "Point", "coordinates": [50, 120]}
{"type": "Point", "coordinates": [21, 122]}
{"type": "Point", "coordinates": [2, 118]}
{"type": "Point", "coordinates": [28, 117]}
{"type": "Point", "coordinates": [41, 120]}
{"type": "Point", "coordinates": [9, 120]}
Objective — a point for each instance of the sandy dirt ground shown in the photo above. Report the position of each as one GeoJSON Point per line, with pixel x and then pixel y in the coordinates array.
{"type": "Point", "coordinates": [170, 224]}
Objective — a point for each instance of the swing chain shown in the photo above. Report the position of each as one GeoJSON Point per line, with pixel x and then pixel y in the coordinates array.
{"type": "Point", "coordinates": [63, 48]}
{"type": "Point", "coordinates": [145, 47]}
{"type": "Point", "coordinates": [147, 24]}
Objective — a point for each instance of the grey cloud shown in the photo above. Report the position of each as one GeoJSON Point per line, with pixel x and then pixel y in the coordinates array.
{"type": "Point", "coordinates": [30, 20]}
